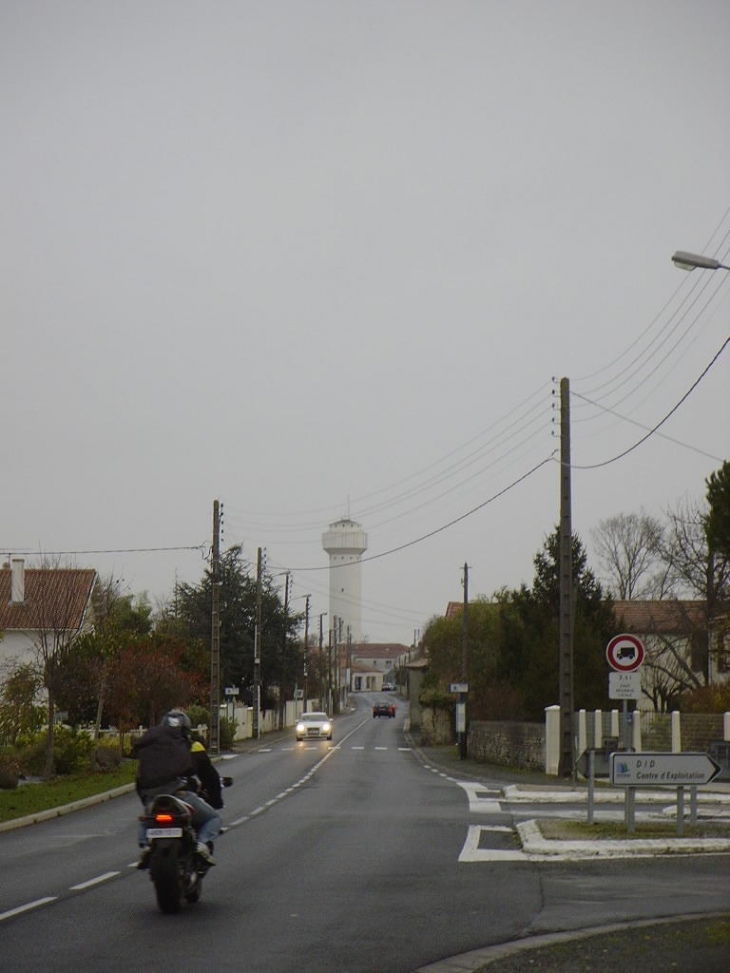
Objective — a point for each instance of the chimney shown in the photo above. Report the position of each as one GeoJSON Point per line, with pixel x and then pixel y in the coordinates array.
{"type": "Point", "coordinates": [17, 581]}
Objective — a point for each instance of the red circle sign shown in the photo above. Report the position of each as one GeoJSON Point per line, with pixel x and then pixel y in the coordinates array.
{"type": "Point", "coordinates": [625, 653]}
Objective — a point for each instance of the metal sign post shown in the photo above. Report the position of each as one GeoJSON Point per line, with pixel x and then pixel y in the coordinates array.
{"type": "Point", "coordinates": [661, 769]}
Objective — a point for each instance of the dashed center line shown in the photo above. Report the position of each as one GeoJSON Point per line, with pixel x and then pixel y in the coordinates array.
{"type": "Point", "coordinates": [93, 881]}
{"type": "Point", "coordinates": [27, 907]}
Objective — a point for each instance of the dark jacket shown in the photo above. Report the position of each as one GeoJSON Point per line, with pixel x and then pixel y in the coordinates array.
{"type": "Point", "coordinates": [164, 756]}
{"type": "Point", "coordinates": [207, 775]}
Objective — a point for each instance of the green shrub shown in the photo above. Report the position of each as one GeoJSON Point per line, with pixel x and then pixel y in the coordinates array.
{"type": "Point", "coordinates": [105, 757]}
{"type": "Point", "coordinates": [71, 751]}
{"type": "Point", "coordinates": [228, 733]}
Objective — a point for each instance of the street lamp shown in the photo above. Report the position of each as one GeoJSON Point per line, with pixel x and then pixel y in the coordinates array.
{"type": "Point", "coordinates": [689, 261]}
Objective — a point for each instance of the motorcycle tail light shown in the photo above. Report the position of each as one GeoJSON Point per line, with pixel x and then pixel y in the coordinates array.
{"type": "Point", "coordinates": [163, 818]}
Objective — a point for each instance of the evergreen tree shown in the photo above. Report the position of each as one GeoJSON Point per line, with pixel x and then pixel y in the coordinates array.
{"type": "Point", "coordinates": [281, 660]}
{"type": "Point", "coordinates": [537, 610]}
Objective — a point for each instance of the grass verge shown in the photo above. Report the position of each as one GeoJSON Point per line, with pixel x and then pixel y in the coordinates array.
{"type": "Point", "coordinates": [31, 798]}
{"type": "Point", "coordinates": [565, 830]}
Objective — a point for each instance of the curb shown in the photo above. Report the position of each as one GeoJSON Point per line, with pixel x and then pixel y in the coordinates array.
{"type": "Point", "coordinates": [533, 843]}
{"type": "Point", "coordinates": [475, 959]}
{"type": "Point", "coordinates": [58, 812]}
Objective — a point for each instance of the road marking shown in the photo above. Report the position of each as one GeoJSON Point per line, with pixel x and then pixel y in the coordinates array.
{"type": "Point", "coordinates": [471, 852]}
{"type": "Point", "coordinates": [481, 799]}
{"type": "Point", "coordinates": [27, 907]}
{"type": "Point", "coordinates": [93, 881]}
{"type": "Point", "coordinates": [381, 748]}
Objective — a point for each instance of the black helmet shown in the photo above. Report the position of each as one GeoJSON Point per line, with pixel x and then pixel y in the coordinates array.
{"type": "Point", "coordinates": [176, 717]}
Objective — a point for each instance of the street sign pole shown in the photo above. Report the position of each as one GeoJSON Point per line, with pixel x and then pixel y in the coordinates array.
{"type": "Point", "coordinates": [661, 769]}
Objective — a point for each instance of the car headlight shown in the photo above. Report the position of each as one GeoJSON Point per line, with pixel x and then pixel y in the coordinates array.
{"type": "Point", "coordinates": [300, 728]}
{"type": "Point", "coordinates": [326, 728]}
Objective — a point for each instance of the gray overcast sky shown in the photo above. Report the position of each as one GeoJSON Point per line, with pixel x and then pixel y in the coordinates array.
{"type": "Point", "coordinates": [312, 257]}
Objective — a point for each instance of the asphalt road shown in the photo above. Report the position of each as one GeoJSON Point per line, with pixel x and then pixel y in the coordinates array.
{"type": "Point", "coordinates": [342, 858]}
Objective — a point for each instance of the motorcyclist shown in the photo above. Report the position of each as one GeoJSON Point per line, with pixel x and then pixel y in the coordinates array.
{"type": "Point", "coordinates": [166, 762]}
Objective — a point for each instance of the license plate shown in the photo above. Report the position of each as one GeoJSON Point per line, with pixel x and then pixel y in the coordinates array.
{"type": "Point", "coordinates": [164, 833]}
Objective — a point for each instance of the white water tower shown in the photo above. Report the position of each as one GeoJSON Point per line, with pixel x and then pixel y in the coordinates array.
{"type": "Point", "coordinates": [345, 541]}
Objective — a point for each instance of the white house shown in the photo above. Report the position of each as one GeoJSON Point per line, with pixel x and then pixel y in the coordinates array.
{"type": "Point", "coordinates": [41, 607]}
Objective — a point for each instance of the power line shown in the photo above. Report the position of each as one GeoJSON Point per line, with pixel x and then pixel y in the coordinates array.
{"type": "Point", "coordinates": [693, 386]}
{"type": "Point", "coordinates": [114, 550]}
{"type": "Point", "coordinates": [451, 523]}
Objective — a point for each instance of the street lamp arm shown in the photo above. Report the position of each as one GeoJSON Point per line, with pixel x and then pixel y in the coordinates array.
{"type": "Point", "coordinates": [688, 261]}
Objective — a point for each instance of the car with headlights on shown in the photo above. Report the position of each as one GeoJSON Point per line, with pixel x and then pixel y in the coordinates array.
{"type": "Point", "coordinates": [313, 726]}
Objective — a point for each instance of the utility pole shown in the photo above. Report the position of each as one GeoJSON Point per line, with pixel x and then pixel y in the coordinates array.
{"type": "Point", "coordinates": [464, 665]}
{"type": "Point", "coordinates": [320, 666]}
{"type": "Point", "coordinates": [567, 757]}
{"type": "Point", "coordinates": [257, 651]}
{"type": "Point", "coordinates": [348, 678]}
{"type": "Point", "coordinates": [284, 667]}
{"type": "Point", "coordinates": [306, 650]}
{"type": "Point", "coordinates": [214, 733]}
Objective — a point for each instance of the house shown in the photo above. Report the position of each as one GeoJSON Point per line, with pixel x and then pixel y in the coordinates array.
{"type": "Point", "coordinates": [375, 663]}
{"type": "Point", "coordinates": [679, 643]}
{"type": "Point", "coordinates": [365, 679]}
{"type": "Point", "coordinates": [41, 609]}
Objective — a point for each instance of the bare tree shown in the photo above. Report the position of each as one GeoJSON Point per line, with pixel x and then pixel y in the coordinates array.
{"type": "Point", "coordinates": [60, 599]}
{"type": "Point", "coordinates": [697, 571]}
{"type": "Point", "coordinates": [629, 548]}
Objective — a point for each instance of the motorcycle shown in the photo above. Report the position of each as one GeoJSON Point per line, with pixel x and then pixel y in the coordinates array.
{"type": "Point", "coordinates": [176, 870]}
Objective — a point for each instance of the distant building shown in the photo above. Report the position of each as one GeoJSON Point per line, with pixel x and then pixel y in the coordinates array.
{"type": "Point", "coordinates": [345, 541]}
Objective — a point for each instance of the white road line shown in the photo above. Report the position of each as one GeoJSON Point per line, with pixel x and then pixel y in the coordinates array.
{"type": "Point", "coordinates": [381, 748]}
{"type": "Point", "coordinates": [471, 852]}
{"type": "Point", "coordinates": [481, 800]}
{"type": "Point", "coordinates": [93, 881]}
{"type": "Point", "coordinates": [27, 907]}
{"type": "Point", "coordinates": [358, 748]}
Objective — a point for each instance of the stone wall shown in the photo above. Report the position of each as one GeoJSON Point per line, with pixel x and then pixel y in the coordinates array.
{"type": "Point", "coordinates": [507, 744]}
{"type": "Point", "coordinates": [437, 727]}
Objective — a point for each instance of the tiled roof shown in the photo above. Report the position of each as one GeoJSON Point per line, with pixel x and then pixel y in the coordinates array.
{"type": "Point", "coordinates": [673, 617]}
{"type": "Point", "coordinates": [56, 599]}
{"type": "Point", "coordinates": [378, 650]}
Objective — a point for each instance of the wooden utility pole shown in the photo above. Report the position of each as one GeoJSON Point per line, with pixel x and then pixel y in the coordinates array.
{"type": "Point", "coordinates": [283, 678]}
{"type": "Point", "coordinates": [567, 757]}
{"type": "Point", "coordinates": [306, 652]}
{"type": "Point", "coordinates": [320, 666]}
{"type": "Point", "coordinates": [256, 729]}
{"type": "Point", "coordinates": [214, 733]}
{"type": "Point", "coordinates": [464, 662]}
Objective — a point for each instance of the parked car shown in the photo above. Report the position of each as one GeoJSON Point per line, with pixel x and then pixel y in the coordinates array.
{"type": "Point", "coordinates": [388, 687]}
{"type": "Point", "coordinates": [384, 709]}
{"type": "Point", "coordinates": [314, 726]}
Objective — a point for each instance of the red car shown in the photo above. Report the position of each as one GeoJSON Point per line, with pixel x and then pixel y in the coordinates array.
{"type": "Point", "coordinates": [384, 709]}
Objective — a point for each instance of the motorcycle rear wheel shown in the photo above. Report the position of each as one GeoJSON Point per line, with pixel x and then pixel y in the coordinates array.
{"type": "Point", "coordinates": [168, 875]}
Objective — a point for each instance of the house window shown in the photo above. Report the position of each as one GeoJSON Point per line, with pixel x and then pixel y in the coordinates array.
{"type": "Point", "coordinates": [723, 655]}
{"type": "Point", "coordinates": [698, 649]}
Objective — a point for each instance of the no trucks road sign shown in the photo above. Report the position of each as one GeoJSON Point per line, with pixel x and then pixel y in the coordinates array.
{"type": "Point", "coordinates": [625, 653]}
